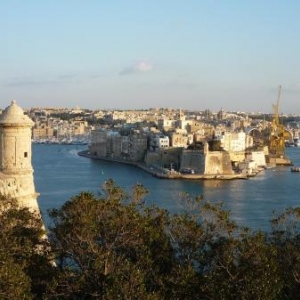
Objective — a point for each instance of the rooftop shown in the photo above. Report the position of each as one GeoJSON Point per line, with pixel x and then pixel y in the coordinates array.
{"type": "Point", "coordinates": [14, 115]}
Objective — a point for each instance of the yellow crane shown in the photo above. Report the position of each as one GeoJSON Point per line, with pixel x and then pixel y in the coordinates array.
{"type": "Point", "coordinates": [278, 136]}
{"type": "Point", "coordinates": [276, 107]}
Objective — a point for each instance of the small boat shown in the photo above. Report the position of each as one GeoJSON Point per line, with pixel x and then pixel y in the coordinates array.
{"type": "Point", "coordinates": [295, 169]}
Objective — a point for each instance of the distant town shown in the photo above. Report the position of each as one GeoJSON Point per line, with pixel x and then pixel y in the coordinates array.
{"type": "Point", "coordinates": [174, 143]}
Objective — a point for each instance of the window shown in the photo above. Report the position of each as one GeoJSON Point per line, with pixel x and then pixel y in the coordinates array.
{"type": "Point", "coordinates": [25, 154]}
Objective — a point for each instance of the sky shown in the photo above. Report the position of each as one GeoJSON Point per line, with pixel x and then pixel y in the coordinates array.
{"type": "Point", "coordinates": [137, 54]}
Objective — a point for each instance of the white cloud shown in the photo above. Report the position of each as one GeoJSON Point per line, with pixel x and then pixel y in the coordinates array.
{"type": "Point", "coordinates": [139, 66]}
{"type": "Point", "coordinates": [143, 66]}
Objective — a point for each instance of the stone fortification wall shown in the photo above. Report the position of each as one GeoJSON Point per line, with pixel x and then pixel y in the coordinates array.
{"type": "Point", "coordinates": [218, 162]}
{"type": "Point", "coordinates": [258, 157]}
{"type": "Point", "coordinates": [20, 187]}
{"type": "Point", "coordinates": [163, 157]}
{"type": "Point", "coordinates": [207, 163]}
{"type": "Point", "coordinates": [193, 160]}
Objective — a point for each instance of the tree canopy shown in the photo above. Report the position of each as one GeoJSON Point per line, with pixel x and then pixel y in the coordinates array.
{"type": "Point", "coordinates": [114, 246]}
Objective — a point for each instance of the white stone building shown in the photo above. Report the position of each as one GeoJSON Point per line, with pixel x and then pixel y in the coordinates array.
{"type": "Point", "coordinates": [235, 141]}
{"type": "Point", "coordinates": [16, 172]}
{"type": "Point", "coordinates": [159, 141]}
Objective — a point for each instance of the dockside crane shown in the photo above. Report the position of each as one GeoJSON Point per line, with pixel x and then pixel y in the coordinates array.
{"type": "Point", "coordinates": [277, 137]}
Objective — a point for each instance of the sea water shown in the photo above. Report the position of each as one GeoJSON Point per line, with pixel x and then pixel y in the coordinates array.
{"type": "Point", "coordinates": [60, 173]}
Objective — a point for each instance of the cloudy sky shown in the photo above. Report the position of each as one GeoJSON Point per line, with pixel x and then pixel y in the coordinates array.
{"type": "Point", "coordinates": [130, 54]}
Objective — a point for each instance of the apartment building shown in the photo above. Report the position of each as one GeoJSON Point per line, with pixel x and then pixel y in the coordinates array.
{"type": "Point", "coordinates": [158, 141]}
{"type": "Point", "coordinates": [235, 141]}
{"type": "Point", "coordinates": [111, 144]}
{"type": "Point", "coordinates": [138, 145]}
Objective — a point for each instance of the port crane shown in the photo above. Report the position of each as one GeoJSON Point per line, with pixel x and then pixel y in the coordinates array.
{"type": "Point", "coordinates": [278, 135]}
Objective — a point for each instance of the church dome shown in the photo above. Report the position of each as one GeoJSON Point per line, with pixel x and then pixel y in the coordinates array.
{"type": "Point", "coordinates": [14, 115]}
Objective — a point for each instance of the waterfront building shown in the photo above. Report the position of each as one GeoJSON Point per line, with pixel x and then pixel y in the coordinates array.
{"type": "Point", "coordinates": [138, 145]}
{"type": "Point", "coordinates": [125, 145]}
{"type": "Point", "coordinates": [79, 127]}
{"type": "Point", "coordinates": [235, 141]}
{"type": "Point", "coordinates": [158, 141]}
{"type": "Point", "coordinates": [98, 143]}
{"type": "Point", "coordinates": [43, 132]}
{"type": "Point", "coordinates": [16, 172]}
{"type": "Point", "coordinates": [111, 144]}
{"type": "Point", "coordinates": [116, 142]}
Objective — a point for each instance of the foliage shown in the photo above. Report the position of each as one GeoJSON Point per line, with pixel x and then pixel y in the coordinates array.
{"type": "Point", "coordinates": [286, 236]}
{"type": "Point", "coordinates": [114, 246]}
{"type": "Point", "coordinates": [111, 249]}
{"type": "Point", "coordinates": [24, 260]}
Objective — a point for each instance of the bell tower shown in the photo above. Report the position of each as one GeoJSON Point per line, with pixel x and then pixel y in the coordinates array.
{"type": "Point", "coordinates": [15, 156]}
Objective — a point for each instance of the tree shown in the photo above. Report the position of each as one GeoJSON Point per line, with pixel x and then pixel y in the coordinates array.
{"type": "Point", "coordinates": [222, 260]}
{"type": "Point", "coordinates": [24, 262]}
{"type": "Point", "coordinates": [285, 236]}
{"type": "Point", "coordinates": [115, 247]}
{"type": "Point", "coordinates": [109, 247]}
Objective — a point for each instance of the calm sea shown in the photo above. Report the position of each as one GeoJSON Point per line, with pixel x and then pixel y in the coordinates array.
{"type": "Point", "coordinates": [60, 174]}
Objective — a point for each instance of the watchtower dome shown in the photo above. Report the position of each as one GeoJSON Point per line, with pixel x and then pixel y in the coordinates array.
{"type": "Point", "coordinates": [16, 172]}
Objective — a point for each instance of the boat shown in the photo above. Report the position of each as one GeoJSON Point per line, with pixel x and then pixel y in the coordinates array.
{"type": "Point", "coordinates": [295, 169]}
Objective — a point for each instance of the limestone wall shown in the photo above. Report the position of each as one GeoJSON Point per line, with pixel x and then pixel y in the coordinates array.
{"type": "Point", "coordinates": [194, 160]}
{"type": "Point", "coordinates": [163, 157]}
{"type": "Point", "coordinates": [208, 163]}
{"type": "Point", "coordinates": [258, 157]}
{"type": "Point", "coordinates": [217, 162]}
{"type": "Point", "coordinates": [20, 187]}
{"type": "Point", "coordinates": [15, 149]}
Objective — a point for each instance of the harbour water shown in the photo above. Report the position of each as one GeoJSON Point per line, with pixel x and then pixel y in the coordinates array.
{"type": "Point", "coordinates": [60, 174]}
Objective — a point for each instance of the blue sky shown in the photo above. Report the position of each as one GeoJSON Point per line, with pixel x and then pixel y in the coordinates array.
{"type": "Point", "coordinates": [109, 54]}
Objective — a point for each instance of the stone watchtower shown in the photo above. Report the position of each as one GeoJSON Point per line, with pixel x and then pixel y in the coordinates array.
{"type": "Point", "coordinates": [16, 172]}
